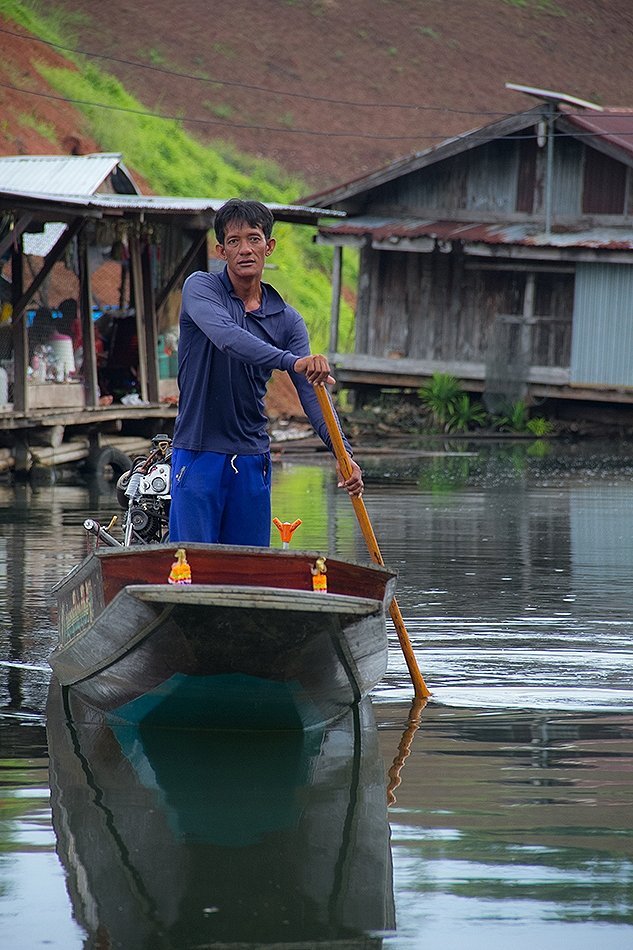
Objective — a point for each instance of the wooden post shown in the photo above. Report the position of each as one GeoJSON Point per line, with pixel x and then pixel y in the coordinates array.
{"type": "Point", "coordinates": [196, 257]}
{"type": "Point", "coordinates": [136, 274]}
{"type": "Point", "coordinates": [20, 330]}
{"type": "Point", "coordinates": [363, 301]}
{"type": "Point", "coordinates": [89, 368]}
{"type": "Point", "coordinates": [527, 323]}
{"type": "Point", "coordinates": [151, 323]}
{"type": "Point", "coordinates": [335, 311]}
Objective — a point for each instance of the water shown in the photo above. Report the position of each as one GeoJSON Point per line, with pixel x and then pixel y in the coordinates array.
{"type": "Point", "coordinates": [509, 794]}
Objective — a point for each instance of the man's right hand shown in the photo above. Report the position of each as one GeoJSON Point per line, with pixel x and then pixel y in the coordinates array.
{"type": "Point", "coordinates": [315, 368]}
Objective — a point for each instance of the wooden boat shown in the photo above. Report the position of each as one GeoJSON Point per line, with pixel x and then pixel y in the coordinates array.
{"type": "Point", "coordinates": [181, 838]}
{"type": "Point", "coordinates": [248, 641]}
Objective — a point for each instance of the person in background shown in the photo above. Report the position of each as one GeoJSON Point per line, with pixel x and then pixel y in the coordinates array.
{"type": "Point", "coordinates": [234, 330]}
{"type": "Point", "coordinates": [69, 321]}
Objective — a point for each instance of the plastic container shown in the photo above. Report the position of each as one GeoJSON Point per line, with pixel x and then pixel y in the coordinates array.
{"type": "Point", "coordinates": [62, 347]}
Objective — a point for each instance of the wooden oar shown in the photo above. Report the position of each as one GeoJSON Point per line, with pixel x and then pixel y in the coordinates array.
{"type": "Point", "coordinates": [343, 459]}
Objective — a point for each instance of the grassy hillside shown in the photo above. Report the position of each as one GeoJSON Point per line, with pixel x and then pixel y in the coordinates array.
{"type": "Point", "coordinates": [172, 162]}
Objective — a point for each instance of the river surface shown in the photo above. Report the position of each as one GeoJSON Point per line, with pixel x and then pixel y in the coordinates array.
{"type": "Point", "coordinates": [500, 815]}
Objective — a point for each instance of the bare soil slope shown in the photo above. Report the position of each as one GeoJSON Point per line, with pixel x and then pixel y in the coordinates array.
{"type": "Point", "coordinates": [35, 121]}
{"type": "Point", "coordinates": [287, 72]}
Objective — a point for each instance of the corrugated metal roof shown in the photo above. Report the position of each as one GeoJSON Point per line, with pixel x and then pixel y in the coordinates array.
{"type": "Point", "coordinates": [392, 230]}
{"type": "Point", "coordinates": [158, 204]}
{"type": "Point", "coordinates": [612, 125]}
{"type": "Point", "coordinates": [58, 174]}
{"type": "Point", "coordinates": [39, 244]}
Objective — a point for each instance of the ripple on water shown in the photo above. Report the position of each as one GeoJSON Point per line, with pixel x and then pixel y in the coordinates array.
{"type": "Point", "coordinates": [476, 668]}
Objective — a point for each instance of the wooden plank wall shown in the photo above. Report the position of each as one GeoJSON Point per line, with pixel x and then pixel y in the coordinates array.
{"type": "Point", "coordinates": [442, 307]}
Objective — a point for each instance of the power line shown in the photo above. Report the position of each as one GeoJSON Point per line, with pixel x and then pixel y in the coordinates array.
{"type": "Point", "coordinates": [472, 134]}
{"type": "Point", "coordinates": [242, 85]}
{"type": "Point", "coordinates": [223, 124]}
{"type": "Point", "coordinates": [412, 106]}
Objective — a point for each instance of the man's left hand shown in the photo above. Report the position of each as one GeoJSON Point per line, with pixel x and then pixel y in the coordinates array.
{"type": "Point", "coordinates": [354, 485]}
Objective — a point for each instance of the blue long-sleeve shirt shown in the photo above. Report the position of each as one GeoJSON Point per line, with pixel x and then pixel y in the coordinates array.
{"type": "Point", "coordinates": [225, 359]}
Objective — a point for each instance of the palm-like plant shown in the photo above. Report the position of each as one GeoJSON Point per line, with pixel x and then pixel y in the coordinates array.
{"type": "Point", "coordinates": [515, 418]}
{"type": "Point", "coordinates": [466, 415]}
{"type": "Point", "coordinates": [441, 396]}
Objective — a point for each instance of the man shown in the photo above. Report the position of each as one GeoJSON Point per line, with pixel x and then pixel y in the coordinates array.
{"type": "Point", "coordinates": [234, 330]}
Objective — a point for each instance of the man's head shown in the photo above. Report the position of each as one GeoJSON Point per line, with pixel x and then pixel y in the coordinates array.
{"type": "Point", "coordinates": [251, 213]}
{"type": "Point", "coordinates": [243, 231]}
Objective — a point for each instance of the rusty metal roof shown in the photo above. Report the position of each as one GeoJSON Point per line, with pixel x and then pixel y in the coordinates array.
{"type": "Point", "coordinates": [392, 231]}
{"type": "Point", "coordinates": [614, 126]}
{"type": "Point", "coordinates": [60, 174]}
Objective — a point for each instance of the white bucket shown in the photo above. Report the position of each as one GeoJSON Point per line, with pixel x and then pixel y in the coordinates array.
{"type": "Point", "coordinates": [62, 347]}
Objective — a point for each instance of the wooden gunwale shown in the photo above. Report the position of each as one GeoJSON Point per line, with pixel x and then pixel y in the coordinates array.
{"type": "Point", "coordinates": [227, 565]}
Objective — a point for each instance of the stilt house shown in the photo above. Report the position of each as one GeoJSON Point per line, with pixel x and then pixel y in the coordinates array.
{"type": "Point", "coordinates": [502, 256]}
{"type": "Point", "coordinates": [90, 279]}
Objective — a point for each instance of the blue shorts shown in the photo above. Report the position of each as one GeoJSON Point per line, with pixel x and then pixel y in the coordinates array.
{"type": "Point", "coordinates": [220, 499]}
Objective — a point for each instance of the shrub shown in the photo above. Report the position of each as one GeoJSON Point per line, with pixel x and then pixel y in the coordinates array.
{"type": "Point", "coordinates": [466, 415]}
{"type": "Point", "coordinates": [539, 426]}
{"type": "Point", "coordinates": [441, 397]}
{"type": "Point", "coordinates": [515, 418]}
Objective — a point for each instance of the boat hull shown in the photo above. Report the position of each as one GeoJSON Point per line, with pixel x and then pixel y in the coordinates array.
{"type": "Point", "coordinates": [221, 655]}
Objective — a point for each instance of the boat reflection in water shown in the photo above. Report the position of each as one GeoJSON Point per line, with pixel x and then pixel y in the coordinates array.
{"type": "Point", "coordinates": [178, 839]}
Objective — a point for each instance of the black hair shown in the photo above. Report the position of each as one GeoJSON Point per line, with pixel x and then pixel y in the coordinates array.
{"type": "Point", "coordinates": [253, 213]}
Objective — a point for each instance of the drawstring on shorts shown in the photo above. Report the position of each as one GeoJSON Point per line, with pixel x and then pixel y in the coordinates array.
{"type": "Point", "coordinates": [233, 457]}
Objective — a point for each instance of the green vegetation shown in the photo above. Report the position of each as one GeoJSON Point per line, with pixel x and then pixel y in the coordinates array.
{"type": "Point", "coordinates": [175, 163]}
{"type": "Point", "coordinates": [40, 18]}
{"type": "Point", "coordinates": [466, 415]}
{"type": "Point", "coordinates": [517, 419]}
{"type": "Point", "coordinates": [441, 397]}
{"type": "Point", "coordinates": [45, 129]}
{"type": "Point", "coordinates": [514, 419]}
{"type": "Point", "coordinates": [539, 426]}
{"type": "Point", "coordinates": [452, 410]}
{"type": "Point", "coordinates": [222, 49]}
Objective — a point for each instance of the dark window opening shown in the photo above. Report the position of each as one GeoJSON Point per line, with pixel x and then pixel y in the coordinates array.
{"type": "Point", "coordinates": [604, 184]}
{"type": "Point", "coordinates": [526, 179]}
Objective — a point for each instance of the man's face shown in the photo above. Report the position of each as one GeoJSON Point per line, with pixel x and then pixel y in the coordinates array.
{"type": "Point", "coordinates": [245, 250]}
